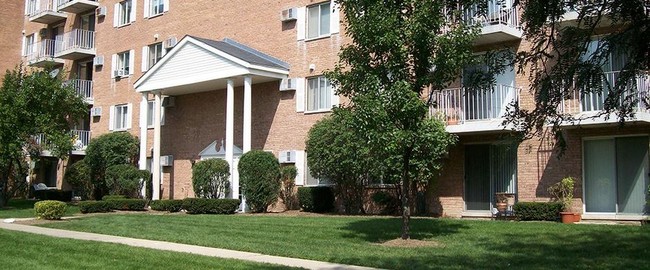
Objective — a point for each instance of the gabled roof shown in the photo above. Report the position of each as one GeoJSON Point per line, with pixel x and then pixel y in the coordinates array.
{"type": "Point", "coordinates": [244, 53]}
{"type": "Point", "coordinates": [211, 151]}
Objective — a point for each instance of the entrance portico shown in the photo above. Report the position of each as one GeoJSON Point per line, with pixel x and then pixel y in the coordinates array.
{"type": "Point", "coordinates": [197, 65]}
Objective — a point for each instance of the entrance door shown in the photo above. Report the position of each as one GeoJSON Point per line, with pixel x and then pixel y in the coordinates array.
{"type": "Point", "coordinates": [489, 168]}
{"type": "Point", "coordinates": [616, 175]}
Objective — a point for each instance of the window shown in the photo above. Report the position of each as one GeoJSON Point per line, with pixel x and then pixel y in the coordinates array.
{"type": "Point", "coordinates": [319, 94]}
{"type": "Point", "coordinates": [318, 20]}
{"type": "Point", "coordinates": [155, 53]}
{"type": "Point", "coordinates": [28, 46]}
{"type": "Point", "coordinates": [313, 181]}
{"type": "Point", "coordinates": [124, 13]}
{"type": "Point", "coordinates": [150, 113]}
{"type": "Point", "coordinates": [122, 117]}
{"type": "Point", "coordinates": [156, 7]}
{"type": "Point", "coordinates": [123, 60]}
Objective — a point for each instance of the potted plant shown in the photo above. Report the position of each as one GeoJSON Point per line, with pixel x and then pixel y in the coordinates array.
{"type": "Point", "coordinates": [501, 202]}
{"type": "Point", "coordinates": [563, 192]}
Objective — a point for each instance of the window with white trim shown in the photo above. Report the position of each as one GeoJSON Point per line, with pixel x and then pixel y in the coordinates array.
{"type": "Point", "coordinates": [319, 94]}
{"type": "Point", "coordinates": [28, 45]}
{"type": "Point", "coordinates": [122, 115]}
{"type": "Point", "coordinates": [156, 7]}
{"type": "Point", "coordinates": [124, 12]}
{"type": "Point", "coordinates": [318, 20]}
{"type": "Point", "coordinates": [155, 53]}
{"type": "Point", "coordinates": [123, 62]}
{"type": "Point", "coordinates": [150, 112]}
{"type": "Point", "coordinates": [310, 180]}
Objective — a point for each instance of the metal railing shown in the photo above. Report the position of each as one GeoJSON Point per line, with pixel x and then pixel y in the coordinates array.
{"type": "Point", "coordinates": [75, 39]}
{"type": "Point", "coordinates": [40, 50]}
{"type": "Point", "coordinates": [592, 101]}
{"type": "Point", "coordinates": [458, 105]}
{"type": "Point", "coordinates": [84, 88]}
{"type": "Point", "coordinates": [497, 13]}
{"type": "Point", "coordinates": [35, 8]}
{"type": "Point", "coordinates": [80, 139]}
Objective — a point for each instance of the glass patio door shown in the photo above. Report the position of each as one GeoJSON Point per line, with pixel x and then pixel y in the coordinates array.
{"type": "Point", "coordinates": [489, 168]}
{"type": "Point", "coordinates": [616, 175]}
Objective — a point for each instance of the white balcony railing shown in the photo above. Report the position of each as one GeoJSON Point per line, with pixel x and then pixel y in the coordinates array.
{"type": "Point", "coordinates": [497, 13]}
{"type": "Point", "coordinates": [84, 88]}
{"type": "Point", "coordinates": [39, 51]}
{"type": "Point", "coordinates": [80, 139]}
{"type": "Point", "coordinates": [75, 39]}
{"type": "Point", "coordinates": [35, 8]}
{"type": "Point", "coordinates": [589, 101]}
{"type": "Point", "coordinates": [459, 105]}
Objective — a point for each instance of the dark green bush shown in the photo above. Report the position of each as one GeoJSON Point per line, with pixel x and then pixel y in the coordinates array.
{"type": "Point", "coordinates": [210, 178]}
{"type": "Point", "coordinates": [316, 199]}
{"type": "Point", "coordinates": [113, 197]}
{"type": "Point", "coordinates": [288, 177]}
{"type": "Point", "coordinates": [53, 195]}
{"type": "Point", "coordinates": [107, 150]}
{"type": "Point", "coordinates": [210, 206]}
{"type": "Point", "coordinates": [49, 209]}
{"type": "Point", "coordinates": [94, 207]}
{"type": "Point", "coordinates": [389, 202]}
{"type": "Point", "coordinates": [259, 175]}
{"type": "Point", "coordinates": [167, 205]}
{"type": "Point", "coordinates": [77, 175]}
{"type": "Point", "coordinates": [125, 179]}
{"type": "Point", "coordinates": [549, 211]}
{"type": "Point", "coordinates": [127, 204]}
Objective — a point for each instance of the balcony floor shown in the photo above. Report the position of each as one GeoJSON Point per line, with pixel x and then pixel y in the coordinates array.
{"type": "Point", "coordinates": [591, 119]}
{"type": "Point", "coordinates": [478, 126]}
{"type": "Point", "coordinates": [497, 33]}
{"type": "Point", "coordinates": [48, 17]}
{"type": "Point", "coordinates": [79, 6]}
{"type": "Point", "coordinates": [76, 53]}
{"type": "Point", "coordinates": [45, 62]}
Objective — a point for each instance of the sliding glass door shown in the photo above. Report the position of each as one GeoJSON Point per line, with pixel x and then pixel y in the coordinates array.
{"type": "Point", "coordinates": [489, 168]}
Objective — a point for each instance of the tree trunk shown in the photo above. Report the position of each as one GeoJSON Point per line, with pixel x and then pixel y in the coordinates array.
{"type": "Point", "coordinates": [406, 212]}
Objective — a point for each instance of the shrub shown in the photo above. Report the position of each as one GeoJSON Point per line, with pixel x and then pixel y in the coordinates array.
{"type": "Point", "coordinates": [316, 199]}
{"type": "Point", "coordinates": [563, 192]}
{"type": "Point", "coordinates": [94, 207]}
{"type": "Point", "coordinates": [389, 202]}
{"type": "Point", "coordinates": [549, 211]}
{"type": "Point", "coordinates": [259, 175]}
{"type": "Point", "coordinates": [210, 206]}
{"type": "Point", "coordinates": [107, 150]}
{"type": "Point", "coordinates": [210, 178]}
{"type": "Point", "coordinates": [113, 197]}
{"type": "Point", "coordinates": [288, 176]}
{"type": "Point", "coordinates": [167, 205]}
{"type": "Point", "coordinates": [54, 195]}
{"type": "Point", "coordinates": [127, 204]}
{"type": "Point", "coordinates": [78, 176]}
{"type": "Point", "coordinates": [125, 179]}
{"type": "Point", "coordinates": [49, 209]}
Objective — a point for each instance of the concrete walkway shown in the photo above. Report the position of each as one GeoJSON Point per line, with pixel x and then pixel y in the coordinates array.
{"type": "Point", "coordinates": [160, 245]}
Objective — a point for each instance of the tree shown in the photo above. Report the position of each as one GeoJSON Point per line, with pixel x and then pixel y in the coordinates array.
{"type": "Point", "coordinates": [108, 150]}
{"type": "Point", "coordinates": [210, 178]}
{"type": "Point", "coordinates": [78, 176]}
{"type": "Point", "coordinates": [259, 175]}
{"type": "Point", "coordinates": [568, 59]}
{"type": "Point", "coordinates": [33, 103]}
{"type": "Point", "coordinates": [398, 48]}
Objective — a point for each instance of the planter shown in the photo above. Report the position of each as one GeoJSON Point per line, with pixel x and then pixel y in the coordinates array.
{"type": "Point", "coordinates": [577, 217]}
{"type": "Point", "coordinates": [567, 217]}
{"type": "Point", "coordinates": [502, 207]}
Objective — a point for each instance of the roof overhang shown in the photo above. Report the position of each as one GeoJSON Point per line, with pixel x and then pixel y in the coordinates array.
{"type": "Point", "coordinates": [198, 65]}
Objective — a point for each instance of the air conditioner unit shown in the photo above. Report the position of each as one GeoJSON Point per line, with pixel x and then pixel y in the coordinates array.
{"type": "Point", "coordinates": [100, 11]}
{"type": "Point", "coordinates": [98, 60]}
{"type": "Point", "coordinates": [170, 42]}
{"type": "Point", "coordinates": [288, 84]}
{"type": "Point", "coordinates": [290, 14]}
{"type": "Point", "coordinates": [118, 73]}
{"type": "Point", "coordinates": [42, 32]}
{"type": "Point", "coordinates": [169, 102]}
{"type": "Point", "coordinates": [287, 156]}
{"type": "Point", "coordinates": [96, 111]}
{"type": "Point", "coordinates": [166, 161]}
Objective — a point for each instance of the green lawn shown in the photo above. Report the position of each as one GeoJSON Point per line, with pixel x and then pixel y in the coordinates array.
{"type": "Point", "coordinates": [353, 240]}
{"type": "Point", "coordinates": [25, 209]}
{"type": "Point", "coordinates": [30, 251]}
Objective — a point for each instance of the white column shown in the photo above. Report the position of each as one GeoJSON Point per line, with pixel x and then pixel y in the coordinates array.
{"type": "Point", "coordinates": [143, 137]}
{"type": "Point", "coordinates": [247, 113]}
{"type": "Point", "coordinates": [156, 147]}
{"type": "Point", "coordinates": [230, 131]}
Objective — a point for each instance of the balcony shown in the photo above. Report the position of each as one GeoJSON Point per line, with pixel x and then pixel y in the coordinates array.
{"type": "Point", "coordinates": [84, 89]}
{"type": "Point", "coordinates": [77, 6]}
{"type": "Point", "coordinates": [587, 107]}
{"type": "Point", "coordinates": [499, 24]}
{"type": "Point", "coordinates": [41, 54]}
{"type": "Point", "coordinates": [80, 140]}
{"type": "Point", "coordinates": [44, 11]}
{"type": "Point", "coordinates": [75, 44]}
{"type": "Point", "coordinates": [473, 111]}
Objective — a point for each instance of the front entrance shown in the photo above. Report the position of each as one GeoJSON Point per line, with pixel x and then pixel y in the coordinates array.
{"type": "Point", "coordinates": [616, 175]}
{"type": "Point", "coordinates": [489, 168]}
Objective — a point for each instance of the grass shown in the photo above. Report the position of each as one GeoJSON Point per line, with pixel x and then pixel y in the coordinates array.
{"type": "Point", "coordinates": [18, 208]}
{"type": "Point", "coordinates": [353, 240]}
{"type": "Point", "coordinates": [30, 251]}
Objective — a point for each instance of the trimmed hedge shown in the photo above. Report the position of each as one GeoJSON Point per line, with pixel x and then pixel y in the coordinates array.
{"type": "Point", "coordinates": [127, 204]}
{"type": "Point", "coordinates": [549, 211]}
{"type": "Point", "coordinates": [113, 197]}
{"type": "Point", "coordinates": [167, 205]}
{"type": "Point", "coordinates": [259, 177]}
{"type": "Point", "coordinates": [49, 209]}
{"type": "Point", "coordinates": [53, 195]}
{"type": "Point", "coordinates": [316, 199]}
{"type": "Point", "coordinates": [94, 207]}
{"type": "Point", "coordinates": [210, 206]}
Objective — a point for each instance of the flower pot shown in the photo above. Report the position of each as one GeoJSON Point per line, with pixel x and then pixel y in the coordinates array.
{"type": "Point", "coordinates": [567, 217]}
{"type": "Point", "coordinates": [577, 217]}
{"type": "Point", "coordinates": [501, 206]}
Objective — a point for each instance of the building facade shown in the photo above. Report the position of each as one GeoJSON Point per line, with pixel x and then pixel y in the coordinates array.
{"type": "Point", "coordinates": [214, 79]}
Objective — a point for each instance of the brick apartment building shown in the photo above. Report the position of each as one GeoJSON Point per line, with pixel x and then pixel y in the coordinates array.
{"type": "Point", "coordinates": [214, 79]}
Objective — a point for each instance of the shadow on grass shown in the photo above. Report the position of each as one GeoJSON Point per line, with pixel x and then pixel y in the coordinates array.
{"type": "Point", "coordinates": [19, 204]}
{"type": "Point", "coordinates": [377, 230]}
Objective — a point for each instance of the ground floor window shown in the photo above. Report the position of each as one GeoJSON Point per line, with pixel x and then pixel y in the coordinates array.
{"type": "Point", "coordinates": [616, 175]}
{"type": "Point", "coordinates": [489, 168]}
